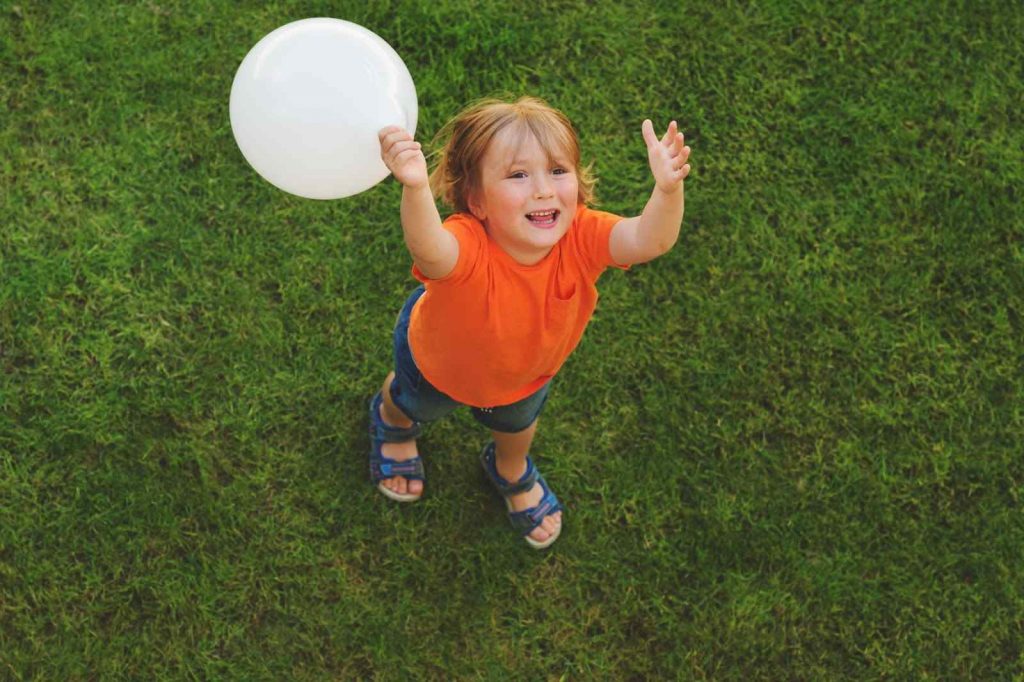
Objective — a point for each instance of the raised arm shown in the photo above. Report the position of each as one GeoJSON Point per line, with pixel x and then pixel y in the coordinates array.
{"type": "Point", "coordinates": [654, 232]}
{"type": "Point", "coordinates": [434, 250]}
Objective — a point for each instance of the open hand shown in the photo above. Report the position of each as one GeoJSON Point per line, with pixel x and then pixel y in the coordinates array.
{"type": "Point", "coordinates": [667, 156]}
{"type": "Point", "coordinates": [403, 156]}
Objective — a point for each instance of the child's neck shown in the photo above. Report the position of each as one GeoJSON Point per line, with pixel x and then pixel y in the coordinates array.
{"type": "Point", "coordinates": [521, 255]}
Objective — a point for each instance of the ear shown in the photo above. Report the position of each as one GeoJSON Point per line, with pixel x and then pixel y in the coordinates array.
{"type": "Point", "coordinates": [476, 207]}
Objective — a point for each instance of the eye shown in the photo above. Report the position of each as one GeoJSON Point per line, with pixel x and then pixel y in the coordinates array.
{"type": "Point", "coordinates": [560, 171]}
{"type": "Point", "coordinates": [517, 175]}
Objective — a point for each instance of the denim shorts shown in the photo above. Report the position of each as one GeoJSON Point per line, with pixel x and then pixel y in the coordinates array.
{"type": "Point", "coordinates": [422, 402]}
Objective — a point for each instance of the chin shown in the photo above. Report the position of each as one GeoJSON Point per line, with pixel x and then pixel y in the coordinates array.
{"type": "Point", "coordinates": [549, 237]}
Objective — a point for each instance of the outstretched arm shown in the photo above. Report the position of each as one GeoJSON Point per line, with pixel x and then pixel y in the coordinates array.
{"type": "Point", "coordinates": [654, 232]}
{"type": "Point", "coordinates": [434, 250]}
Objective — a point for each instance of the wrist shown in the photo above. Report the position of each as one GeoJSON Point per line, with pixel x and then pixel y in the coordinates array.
{"type": "Point", "coordinates": [418, 188]}
{"type": "Point", "coordinates": [671, 191]}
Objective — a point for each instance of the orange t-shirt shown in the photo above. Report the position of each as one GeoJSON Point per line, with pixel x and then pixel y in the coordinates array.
{"type": "Point", "coordinates": [494, 331]}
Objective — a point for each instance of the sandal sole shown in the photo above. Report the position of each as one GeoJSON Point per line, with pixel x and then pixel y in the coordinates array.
{"type": "Point", "coordinates": [397, 497]}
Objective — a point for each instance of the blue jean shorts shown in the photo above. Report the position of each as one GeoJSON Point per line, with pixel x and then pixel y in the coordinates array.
{"type": "Point", "coordinates": [422, 402]}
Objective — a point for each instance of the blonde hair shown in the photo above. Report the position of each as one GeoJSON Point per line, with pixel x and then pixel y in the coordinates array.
{"type": "Point", "coordinates": [466, 137]}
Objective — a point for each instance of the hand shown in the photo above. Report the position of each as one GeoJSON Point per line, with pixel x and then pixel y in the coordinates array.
{"type": "Point", "coordinates": [403, 156]}
{"type": "Point", "coordinates": [667, 156]}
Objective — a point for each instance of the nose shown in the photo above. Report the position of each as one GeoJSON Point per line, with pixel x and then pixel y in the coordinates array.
{"type": "Point", "coordinates": [542, 186]}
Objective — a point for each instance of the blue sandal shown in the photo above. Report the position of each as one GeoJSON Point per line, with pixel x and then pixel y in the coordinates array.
{"type": "Point", "coordinates": [523, 521]}
{"type": "Point", "coordinates": [381, 467]}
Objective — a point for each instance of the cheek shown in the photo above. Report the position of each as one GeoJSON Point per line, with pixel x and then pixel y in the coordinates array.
{"type": "Point", "coordinates": [515, 197]}
{"type": "Point", "coordinates": [570, 191]}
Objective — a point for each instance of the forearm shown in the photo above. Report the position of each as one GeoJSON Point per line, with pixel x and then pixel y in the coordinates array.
{"type": "Point", "coordinates": [661, 219]}
{"type": "Point", "coordinates": [426, 240]}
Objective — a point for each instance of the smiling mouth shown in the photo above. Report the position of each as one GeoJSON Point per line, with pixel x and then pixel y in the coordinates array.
{"type": "Point", "coordinates": [543, 219]}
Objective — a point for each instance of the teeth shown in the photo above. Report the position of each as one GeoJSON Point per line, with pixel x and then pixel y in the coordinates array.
{"type": "Point", "coordinates": [542, 214]}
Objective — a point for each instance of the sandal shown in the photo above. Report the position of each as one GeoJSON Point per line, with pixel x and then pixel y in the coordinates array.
{"type": "Point", "coordinates": [523, 521]}
{"type": "Point", "coordinates": [381, 467]}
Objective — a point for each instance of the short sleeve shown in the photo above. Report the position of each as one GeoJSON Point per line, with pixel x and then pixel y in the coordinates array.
{"type": "Point", "coordinates": [468, 231]}
{"type": "Point", "coordinates": [592, 231]}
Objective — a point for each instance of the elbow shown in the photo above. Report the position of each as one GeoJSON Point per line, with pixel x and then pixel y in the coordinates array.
{"type": "Point", "coordinates": [660, 242]}
{"type": "Point", "coordinates": [653, 251]}
{"type": "Point", "coordinates": [665, 245]}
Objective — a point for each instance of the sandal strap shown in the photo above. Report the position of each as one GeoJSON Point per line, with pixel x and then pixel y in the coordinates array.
{"type": "Point", "coordinates": [528, 519]}
{"type": "Point", "coordinates": [382, 468]}
{"type": "Point", "coordinates": [389, 434]}
{"type": "Point", "coordinates": [504, 487]}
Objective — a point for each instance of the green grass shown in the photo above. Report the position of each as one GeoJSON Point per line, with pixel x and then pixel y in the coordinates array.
{"type": "Point", "coordinates": [790, 449]}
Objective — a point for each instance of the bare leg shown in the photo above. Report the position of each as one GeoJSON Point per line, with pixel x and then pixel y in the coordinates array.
{"type": "Point", "coordinates": [393, 416]}
{"type": "Point", "coordinates": [510, 461]}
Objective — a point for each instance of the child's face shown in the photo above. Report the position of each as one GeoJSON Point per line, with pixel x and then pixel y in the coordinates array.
{"type": "Point", "coordinates": [526, 199]}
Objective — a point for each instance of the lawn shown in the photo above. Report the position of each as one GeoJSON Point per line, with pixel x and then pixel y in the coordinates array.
{"type": "Point", "coordinates": [790, 449]}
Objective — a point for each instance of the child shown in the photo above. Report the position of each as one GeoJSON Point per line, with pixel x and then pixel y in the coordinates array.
{"type": "Point", "coordinates": [507, 286]}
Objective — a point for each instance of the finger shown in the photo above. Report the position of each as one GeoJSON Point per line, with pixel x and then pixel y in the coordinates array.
{"type": "Point", "coordinates": [648, 130]}
{"type": "Point", "coordinates": [402, 146]}
{"type": "Point", "coordinates": [404, 157]}
{"type": "Point", "coordinates": [679, 156]}
{"type": "Point", "coordinates": [669, 134]}
{"type": "Point", "coordinates": [392, 152]}
{"type": "Point", "coordinates": [386, 142]}
{"type": "Point", "coordinates": [398, 136]}
{"type": "Point", "coordinates": [677, 144]}
{"type": "Point", "coordinates": [394, 134]}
